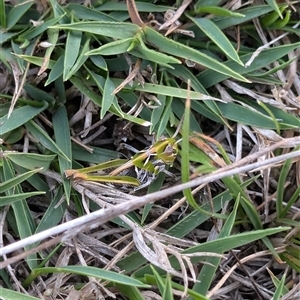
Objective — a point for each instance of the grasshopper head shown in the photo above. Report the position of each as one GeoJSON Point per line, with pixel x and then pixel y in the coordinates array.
{"type": "Point", "coordinates": [167, 150]}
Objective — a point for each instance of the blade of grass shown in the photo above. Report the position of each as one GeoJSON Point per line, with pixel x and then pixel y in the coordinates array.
{"type": "Point", "coordinates": [71, 52]}
{"type": "Point", "coordinates": [20, 116]}
{"type": "Point", "coordinates": [12, 295]}
{"type": "Point", "coordinates": [30, 160]}
{"type": "Point", "coordinates": [17, 180]}
{"type": "Point", "coordinates": [2, 14]}
{"type": "Point", "coordinates": [54, 214]}
{"type": "Point", "coordinates": [16, 13]}
{"type": "Point", "coordinates": [179, 50]}
{"type": "Point", "coordinates": [43, 138]}
{"type": "Point", "coordinates": [218, 37]}
{"type": "Point", "coordinates": [22, 214]}
{"type": "Point", "coordinates": [5, 200]}
{"type": "Point", "coordinates": [63, 140]}
{"type": "Point", "coordinates": [209, 269]}
{"type": "Point", "coordinates": [87, 271]}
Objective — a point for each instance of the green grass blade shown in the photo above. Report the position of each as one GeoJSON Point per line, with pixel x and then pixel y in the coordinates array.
{"type": "Point", "coordinates": [71, 52]}
{"type": "Point", "coordinates": [179, 50]}
{"type": "Point", "coordinates": [81, 59]}
{"type": "Point", "coordinates": [16, 13]}
{"type": "Point", "coordinates": [88, 271]}
{"type": "Point", "coordinates": [53, 35]}
{"type": "Point", "coordinates": [141, 7]}
{"type": "Point", "coordinates": [53, 215]}
{"type": "Point", "coordinates": [210, 77]}
{"type": "Point", "coordinates": [36, 31]}
{"type": "Point", "coordinates": [63, 140]}
{"type": "Point", "coordinates": [115, 30]}
{"type": "Point", "coordinates": [108, 97]}
{"type": "Point", "coordinates": [20, 116]}
{"type": "Point", "coordinates": [30, 160]}
{"type": "Point", "coordinates": [279, 289]}
{"type": "Point", "coordinates": [57, 70]}
{"type": "Point", "coordinates": [17, 180]}
{"type": "Point", "coordinates": [218, 37]}
{"type": "Point", "coordinates": [112, 48]}
{"type": "Point", "coordinates": [163, 90]}
{"type": "Point", "coordinates": [2, 14]}
{"type": "Point", "coordinates": [18, 197]}
{"type": "Point", "coordinates": [22, 214]}
{"type": "Point", "coordinates": [43, 138]}
{"type": "Point", "coordinates": [98, 100]}
{"type": "Point", "coordinates": [274, 5]}
{"type": "Point", "coordinates": [159, 281]}
{"type": "Point", "coordinates": [79, 11]}
{"type": "Point", "coordinates": [208, 270]}
{"type": "Point", "coordinates": [168, 292]}
{"type": "Point", "coordinates": [12, 295]}
{"type": "Point", "coordinates": [131, 292]}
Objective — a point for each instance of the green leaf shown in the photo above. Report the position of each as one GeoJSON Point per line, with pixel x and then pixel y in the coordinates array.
{"type": "Point", "coordinates": [38, 94]}
{"type": "Point", "coordinates": [88, 271]}
{"type": "Point", "coordinates": [245, 115]}
{"type": "Point", "coordinates": [71, 52]}
{"type": "Point", "coordinates": [179, 50]}
{"type": "Point", "coordinates": [20, 116]}
{"type": "Point", "coordinates": [54, 213]}
{"type": "Point", "coordinates": [98, 100]}
{"type": "Point", "coordinates": [37, 30]}
{"type": "Point", "coordinates": [218, 37]}
{"type": "Point", "coordinates": [132, 292]}
{"type": "Point", "coordinates": [57, 70]}
{"type": "Point", "coordinates": [36, 60]}
{"type": "Point", "coordinates": [82, 12]}
{"type": "Point", "coordinates": [108, 97]}
{"type": "Point", "coordinates": [210, 77]}
{"type": "Point", "coordinates": [18, 197]}
{"type": "Point", "coordinates": [250, 13]}
{"type": "Point", "coordinates": [185, 161]}
{"type": "Point", "coordinates": [117, 30]}
{"type": "Point", "coordinates": [112, 48]}
{"type": "Point", "coordinates": [208, 270]}
{"type": "Point", "coordinates": [218, 11]}
{"type": "Point", "coordinates": [274, 5]}
{"type": "Point", "coordinates": [30, 160]}
{"type": "Point", "coordinates": [43, 138]}
{"type": "Point", "coordinates": [16, 13]}
{"type": "Point", "coordinates": [162, 90]}
{"type": "Point", "coordinates": [23, 217]}
{"type": "Point", "coordinates": [279, 289]}
{"type": "Point", "coordinates": [141, 7]}
{"type": "Point", "coordinates": [12, 295]}
{"type": "Point", "coordinates": [17, 180]}
{"type": "Point", "coordinates": [2, 14]}
{"type": "Point", "coordinates": [58, 11]}
{"type": "Point", "coordinates": [158, 279]}
{"type": "Point", "coordinates": [168, 292]}
{"type": "Point", "coordinates": [81, 59]}
{"type": "Point", "coordinates": [63, 140]}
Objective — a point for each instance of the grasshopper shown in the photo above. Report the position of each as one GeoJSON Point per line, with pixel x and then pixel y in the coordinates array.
{"type": "Point", "coordinates": [150, 162]}
{"type": "Point", "coordinates": [147, 165]}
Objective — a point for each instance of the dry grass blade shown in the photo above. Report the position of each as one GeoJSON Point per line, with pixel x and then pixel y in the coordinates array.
{"type": "Point", "coordinates": [177, 15]}
{"type": "Point", "coordinates": [133, 13]}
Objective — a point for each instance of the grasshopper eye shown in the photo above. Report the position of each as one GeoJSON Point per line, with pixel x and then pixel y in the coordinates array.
{"type": "Point", "coordinates": [169, 149]}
